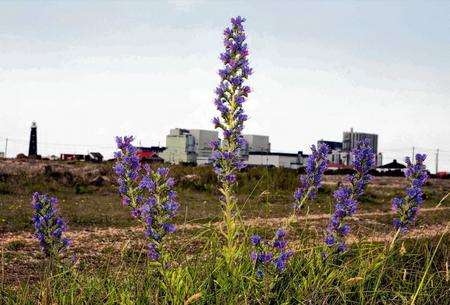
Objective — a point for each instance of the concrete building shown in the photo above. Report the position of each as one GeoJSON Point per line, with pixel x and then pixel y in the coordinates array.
{"type": "Point", "coordinates": [333, 145]}
{"type": "Point", "coordinates": [346, 158]}
{"type": "Point", "coordinates": [257, 143]}
{"type": "Point", "coordinates": [350, 138]}
{"type": "Point", "coordinates": [339, 157]}
{"type": "Point", "coordinates": [2, 155]}
{"type": "Point", "coordinates": [180, 147]}
{"type": "Point", "coordinates": [276, 159]}
{"type": "Point", "coordinates": [202, 148]}
{"type": "Point", "coordinates": [190, 146]}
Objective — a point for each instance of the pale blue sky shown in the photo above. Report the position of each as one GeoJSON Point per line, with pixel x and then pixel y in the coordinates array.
{"type": "Point", "coordinates": [89, 70]}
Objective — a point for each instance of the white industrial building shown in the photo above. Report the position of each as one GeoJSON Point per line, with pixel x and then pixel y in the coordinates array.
{"type": "Point", "coordinates": [190, 146]}
{"type": "Point", "coordinates": [347, 157]}
{"type": "Point", "coordinates": [256, 143]}
{"type": "Point", "coordinates": [180, 147]}
{"type": "Point", "coordinates": [202, 140]}
{"type": "Point", "coordinates": [276, 159]}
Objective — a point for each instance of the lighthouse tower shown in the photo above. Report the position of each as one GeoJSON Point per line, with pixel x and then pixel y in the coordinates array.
{"type": "Point", "coordinates": [32, 150]}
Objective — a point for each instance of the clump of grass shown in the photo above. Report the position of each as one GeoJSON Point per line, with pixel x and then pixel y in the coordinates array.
{"type": "Point", "coordinates": [308, 280]}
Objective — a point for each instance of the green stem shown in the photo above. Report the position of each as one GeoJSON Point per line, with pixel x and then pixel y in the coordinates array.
{"type": "Point", "coordinates": [422, 281]}
{"type": "Point", "coordinates": [385, 256]}
{"type": "Point", "coordinates": [230, 226]}
{"type": "Point", "coordinates": [291, 218]}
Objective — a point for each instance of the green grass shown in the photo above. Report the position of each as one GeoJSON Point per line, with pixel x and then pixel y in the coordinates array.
{"type": "Point", "coordinates": [111, 266]}
{"type": "Point", "coordinates": [308, 280]}
{"type": "Point", "coordinates": [263, 193]}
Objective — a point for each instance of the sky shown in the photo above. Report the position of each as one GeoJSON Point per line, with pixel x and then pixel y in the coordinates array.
{"type": "Point", "coordinates": [87, 71]}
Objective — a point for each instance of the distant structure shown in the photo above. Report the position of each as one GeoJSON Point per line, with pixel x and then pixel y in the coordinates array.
{"type": "Point", "coordinates": [202, 147]}
{"type": "Point", "coordinates": [351, 138]}
{"type": "Point", "coordinates": [256, 144]}
{"type": "Point", "coordinates": [394, 166]}
{"type": "Point", "coordinates": [179, 147]}
{"type": "Point", "coordinates": [95, 157]}
{"type": "Point", "coordinates": [379, 159]}
{"type": "Point", "coordinates": [189, 146]}
{"type": "Point", "coordinates": [150, 154]}
{"type": "Point", "coordinates": [276, 159]}
{"type": "Point", "coordinates": [71, 157]}
{"type": "Point", "coordinates": [341, 152]}
{"type": "Point", "coordinates": [257, 152]}
{"type": "Point", "coordinates": [32, 149]}
{"type": "Point", "coordinates": [333, 145]}
{"type": "Point", "coordinates": [192, 146]}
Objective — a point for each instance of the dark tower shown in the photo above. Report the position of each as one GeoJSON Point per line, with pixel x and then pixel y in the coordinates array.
{"type": "Point", "coordinates": [32, 150]}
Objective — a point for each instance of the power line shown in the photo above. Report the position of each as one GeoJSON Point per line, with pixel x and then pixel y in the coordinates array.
{"type": "Point", "coordinates": [103, 146]}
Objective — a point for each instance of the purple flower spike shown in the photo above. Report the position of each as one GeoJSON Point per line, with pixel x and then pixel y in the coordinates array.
{"type": "Point", "coordinates": [407, 207]}
{"type": "Point", "coordinates": [316, 165]}
{"type": "Point", "coordinates": [267, 255]}
{"type": "Point", "coordinates": [346, 197]}
{"type": "Point", "coordinates": [149, 195]}
{"type": "Point", "coordinates": [231, 94]}
{"type": "Point", "coordinates": [256, 240]}
{"type": "Point", "coordinates": [49, 227]}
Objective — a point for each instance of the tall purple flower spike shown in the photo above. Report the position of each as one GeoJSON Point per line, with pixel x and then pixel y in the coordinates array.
{"type": "Point", "coordinates": [406, 208]}
{"type": "Point", "coordinates": [346, 197]}
{"type": "Point", "coordinates": [231, 95]}
{"type": "Point", "coordinates": [49, 227]}
{"type": "Point", "coordinates": [316, 165]}
{"type": "Point", "coordinates": [148, 193]}
{"type": "Point", "coordinates": [227, 156]}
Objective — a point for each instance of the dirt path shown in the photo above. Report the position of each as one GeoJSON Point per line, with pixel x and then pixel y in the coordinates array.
{"type": "Point", "coordinates": [95, 246]}
{"type": "Point", "coordinates": [315, 221]}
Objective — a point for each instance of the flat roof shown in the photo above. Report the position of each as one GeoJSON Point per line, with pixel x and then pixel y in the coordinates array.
{"type": "Point", "coordinates": [261, 153]}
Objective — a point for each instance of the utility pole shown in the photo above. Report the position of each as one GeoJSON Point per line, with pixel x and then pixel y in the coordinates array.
{"type": "Point", "coordinates": [6, 147]}
{"type": "Point", "coordinates": [437, 160]}
{"type": "Point", "coordinates": [413, 154]}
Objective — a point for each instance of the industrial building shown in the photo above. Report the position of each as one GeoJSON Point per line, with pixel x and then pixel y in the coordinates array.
{"type": "Point", "coordinates": [346, 157]}
{"type": "Point", "coordinates": [202, 147]}
{"type": "Point", "coordinates": [339, 157]}
{"type": "Point", "coordinates": [189, 146]}
{"type": "Point", "coordinates": [180, 147]}
{"type": "Point", "coordinates": [333, 145]}
{"type": "Point", "coordinates": [256, 143]}
{"type": "Point", "coordinates": [341, 152]}
{"type": "Point", "coordinates": [276, 159]}
{"type": "Point", "coordinates": [351, 138]}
